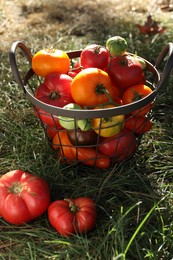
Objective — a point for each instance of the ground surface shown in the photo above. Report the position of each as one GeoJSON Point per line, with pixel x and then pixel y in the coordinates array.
{"type": "Point", "coordinates": [51, 21]}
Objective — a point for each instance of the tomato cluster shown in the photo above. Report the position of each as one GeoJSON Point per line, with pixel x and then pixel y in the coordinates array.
{"type": "Point", "coordinates": [25, 197]}
{"type": "Point", "coordinates": [103, 77]}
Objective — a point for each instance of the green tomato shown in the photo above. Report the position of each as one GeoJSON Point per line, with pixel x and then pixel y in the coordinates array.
{"type": "Point", "coordinates": [70, 123]}
{"type": "Point", "coordinates": [116, 45]}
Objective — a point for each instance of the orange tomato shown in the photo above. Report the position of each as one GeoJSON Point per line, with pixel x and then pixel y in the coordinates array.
{"type": "Point", "coordinates": [48, 61]}
{"type": "Point", "coordinates": [91, 87]}
{"type": "Point", "coordinates": [136, 93]}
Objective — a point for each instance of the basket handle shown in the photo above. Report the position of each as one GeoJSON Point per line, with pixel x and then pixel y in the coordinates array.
{"type": "Point", "coordinates": [13, 62]}
{"type": "Point", "coordinates": [167, 50]}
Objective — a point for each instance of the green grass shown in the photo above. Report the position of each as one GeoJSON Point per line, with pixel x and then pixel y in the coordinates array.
{"type": "Point", "coordinates": [134, 199]}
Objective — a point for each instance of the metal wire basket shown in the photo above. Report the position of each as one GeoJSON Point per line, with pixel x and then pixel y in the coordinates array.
{"type": "Point", "coordinates": [101, 152]}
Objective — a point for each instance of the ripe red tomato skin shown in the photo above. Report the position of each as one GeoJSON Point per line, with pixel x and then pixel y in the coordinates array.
{"type": "Point", "coordinates": [138, 124]}
{"type": "Point", "coordinates": [125, 71]}
{"type": "Point", "coordinates": [94, 56]}
{"type": "Point", "coordinates": [55, 90]}
{"type": "Point", "coordinates": [124, 144]}
{"type": "Point", "coordinates": [27, 204]}
{"type": "Point", "coordinates": [67, 222]}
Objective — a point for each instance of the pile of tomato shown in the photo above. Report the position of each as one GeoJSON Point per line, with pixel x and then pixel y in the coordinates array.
{"type": "Point", "coordinates": [24, 197]}
{"type": "Point", "coordinates": [103, 77]}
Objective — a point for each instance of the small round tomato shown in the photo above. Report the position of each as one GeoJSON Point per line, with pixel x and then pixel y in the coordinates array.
{"type": "Point", "coordinates": [48, 61]}
{"type": "Point", "coordinates": [94, 56]}
{"type": "Point", "coordinates": [107, 126]}
{"type": "Point", "coordinates": [70, 216]}
{"type": "Point", "coordinates": [23, 197]}
{"type": "Point", "coordinates": [136, 93]}
{"type": "Point", "coordinates": [91, 87]}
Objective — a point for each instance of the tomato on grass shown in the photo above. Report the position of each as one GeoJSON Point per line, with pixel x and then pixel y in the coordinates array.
{"type": "Point", "coordinates": [70, 216]}
{"type": "Point", "coordinates": [23, 197]}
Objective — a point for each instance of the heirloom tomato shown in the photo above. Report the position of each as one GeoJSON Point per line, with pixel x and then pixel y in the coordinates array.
{"type": "Point", "coordinates": [116, 45]}
{"type": "Point", "coordinates": [72, 123]}
{"type": "Point", "coordinates": [125, 71]}
{"type": "Point", "coordinates": [55, 90]}
{"type": "Point", "coordinates": [120, 147]}
{"type": "Point", "coordinates": [83, 138]}
{"type": "Point", "coordinates": [107, 126]}
{"type": "Point", "coordinates": [94, 56]}
{"type": "Point", "coordinates": [23, 197]}
{"type": "Point", "coordinates": [70, 216]}
{"type": "Point", "coordinates": [135, 93]}
{"type": "Point", "coordinates": [48, 61]}
{"type": "Point", "coordinates": [91, 87]}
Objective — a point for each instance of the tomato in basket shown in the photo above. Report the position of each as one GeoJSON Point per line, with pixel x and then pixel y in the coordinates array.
{"type": "Point", "coordinates": [135, 93]}
{"type": "Point", "coordinates": [125, 71]}
{"type": "Point", "coordinates": [48, 61]}
{"type": "Point", "coordinates": [120, 147]}
{"type": "Point", "coordinates": [91, 87]}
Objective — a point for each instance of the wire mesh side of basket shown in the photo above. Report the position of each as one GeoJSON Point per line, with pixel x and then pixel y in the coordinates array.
{"type": "Point", "coordinates": [73, 151]}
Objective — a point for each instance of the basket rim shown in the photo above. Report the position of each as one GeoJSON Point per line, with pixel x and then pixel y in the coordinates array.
{"type": "Point", "coordinates": [93, 113]}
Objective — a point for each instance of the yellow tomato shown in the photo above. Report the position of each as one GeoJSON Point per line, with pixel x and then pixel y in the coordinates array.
{"type": "Point", "coordinates": [108, 126]}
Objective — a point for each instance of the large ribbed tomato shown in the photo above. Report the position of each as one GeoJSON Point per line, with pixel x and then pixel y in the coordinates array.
{"type": "Point", "coordinates": [23, 197]}
{"type": "Point", "coordinates": [70, 216]}
{"type": "Point", "coordinates": [91, 87]}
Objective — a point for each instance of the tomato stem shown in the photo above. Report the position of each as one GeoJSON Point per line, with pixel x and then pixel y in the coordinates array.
{"type": "Point", "coordinates": [73, 208]}
{"type": "Point", "coordinates": [15, 188]}
{"type": "Point", "coordinates": [54, 95]}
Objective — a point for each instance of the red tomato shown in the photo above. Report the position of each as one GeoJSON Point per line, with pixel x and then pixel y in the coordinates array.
{"type": "Point", "coordinates": [23, 197]}
{"type": "Point", "coordinates": [55, 91]}
{"type": "Point", "coordinates": [125, 71]}
{"type": "Point", "coordinates": [120, 146]}
{"type": "Point", "coordinates": [135, 93]}
{"type": "Point", "coordinates": [90, 87]}
{"type": "Point", "coordinates": [138, 124]}
{"type": "Point", "coordinates": [94, 56]}
{"type": "Point", "coordinates": [70, 216]}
